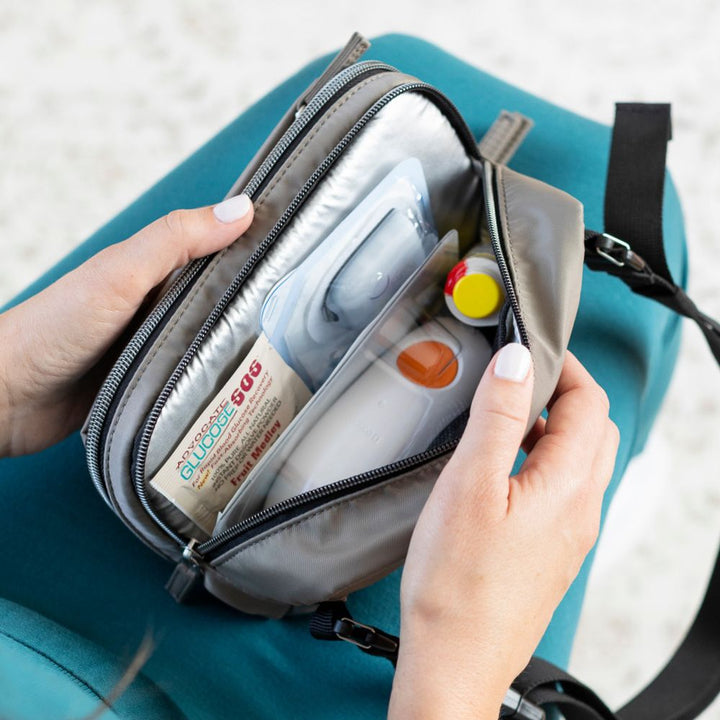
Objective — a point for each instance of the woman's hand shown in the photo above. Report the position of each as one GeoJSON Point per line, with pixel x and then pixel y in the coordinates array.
{"type": "Point", "coordinates": [50, 344]}
{"type": "Point", "coordinates": [492, 555]}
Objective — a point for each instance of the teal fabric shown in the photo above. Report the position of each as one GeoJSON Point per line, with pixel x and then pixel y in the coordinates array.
{"type": "Point", "coordinates": [47, 671]}
{"type": "Point", "coordinates": [68, 558]}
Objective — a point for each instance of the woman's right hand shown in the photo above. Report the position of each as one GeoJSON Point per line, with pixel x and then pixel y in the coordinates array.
{"type": "Point", "coordinates": [492, 555]}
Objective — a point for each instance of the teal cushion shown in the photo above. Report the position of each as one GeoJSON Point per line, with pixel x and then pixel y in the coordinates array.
{"type": "Point", "coordinates": [70, 559]}
{"type": "Point", "coordinates": [47, 671]}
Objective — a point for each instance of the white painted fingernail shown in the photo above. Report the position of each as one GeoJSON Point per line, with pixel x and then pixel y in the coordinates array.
{"type": "Point", "coordinates": [233, 208]}
{"type": "Point", "coordinates": [513, 362]}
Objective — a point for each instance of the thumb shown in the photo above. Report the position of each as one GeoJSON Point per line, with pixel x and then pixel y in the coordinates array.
{"type": "Point", "coordinates": [101, 296]}
{"type": "Point", "coordinates": [129, 270]}
{"type": "Point", "coordinates": [498, 415]}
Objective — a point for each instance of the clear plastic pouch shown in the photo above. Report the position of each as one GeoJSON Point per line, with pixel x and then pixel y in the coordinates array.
{"type": "Point", "coordinates": [316, 311]}
{"type": "Point", "coordinates": [408, 377]}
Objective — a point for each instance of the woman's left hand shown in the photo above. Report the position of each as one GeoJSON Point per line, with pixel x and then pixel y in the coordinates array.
{"type": "Point", "coordinates": [51, 344]}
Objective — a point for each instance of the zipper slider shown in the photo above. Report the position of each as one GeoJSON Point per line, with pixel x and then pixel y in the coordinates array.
{"type": "Point", "coordinates": [352, 52]}
{"type": "Point", "coordinates": [187, 573]}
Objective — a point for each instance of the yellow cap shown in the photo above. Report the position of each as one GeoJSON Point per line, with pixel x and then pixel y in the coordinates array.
{"type": "Point", "coordinates": [477, 295]}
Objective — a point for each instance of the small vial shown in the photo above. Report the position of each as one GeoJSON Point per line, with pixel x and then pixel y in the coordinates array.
{"type": "Point", "coordinates": [474, 290]}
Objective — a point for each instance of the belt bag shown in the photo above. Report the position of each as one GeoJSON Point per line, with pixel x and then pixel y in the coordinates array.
{"type": "Point", "coordinates": [353, 126]}
{"type": "Point", "coordinates": [356, 128]}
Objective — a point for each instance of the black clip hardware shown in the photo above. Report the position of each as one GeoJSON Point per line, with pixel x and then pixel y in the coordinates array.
{"type": "Point", "coordinates": [366, 637]}
{"type": "Point", "coordinates": [618, 252]}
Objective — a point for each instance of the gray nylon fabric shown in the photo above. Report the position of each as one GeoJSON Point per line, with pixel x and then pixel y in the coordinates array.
{"type": "Point", "coordinates": [329, 552]}
{"type": "Point", "coordinates": [543, 234]}
{"type": "Point", "coordinates": [352, 541]}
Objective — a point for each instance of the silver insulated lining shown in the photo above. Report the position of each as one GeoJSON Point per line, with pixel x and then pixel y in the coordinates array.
{"type": "Point", "coordinates": [408, 126]}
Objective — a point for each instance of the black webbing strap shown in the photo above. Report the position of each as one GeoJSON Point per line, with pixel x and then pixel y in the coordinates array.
{"type": "Point", "coordinates": [632, 247]}
{"type": "Point", "coordinates": [636, 180]}
{"type": "Point", "coordinates": [607, 253]}
{"type": "Point", "coordinates": [691, 679]}
{"type": "Point", "coordinates": [546, 684]}
{"type": "Point", "coordinates": [681, 691]}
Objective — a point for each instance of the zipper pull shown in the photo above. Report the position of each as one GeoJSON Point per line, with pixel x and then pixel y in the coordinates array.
{"type": "Point", "coordinates": [352, 52]}
{"type": "Point", "coordinates": [187, 574]}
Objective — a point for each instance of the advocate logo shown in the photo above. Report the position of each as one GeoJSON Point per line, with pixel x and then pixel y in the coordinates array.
{"type": "Point", "coordinates": [207, 441]}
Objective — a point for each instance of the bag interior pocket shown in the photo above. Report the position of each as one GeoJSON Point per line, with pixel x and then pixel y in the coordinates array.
{"type": "Point", "coordinates": [521, 209]}
{"type": "Point", "coordinates": [453, 187]}
{"type": "Point", "coordinates": [406, 379]}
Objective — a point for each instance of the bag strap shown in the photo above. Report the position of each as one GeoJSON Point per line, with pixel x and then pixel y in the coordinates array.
{"type": "Point", "coordinates": [681, 691]}
{"type": "Point", "coordinates": [636, 179]}
{"type": "Point", "coordinates": [332, 621]}
{"type": "Point", "coordinates": [632, 247]}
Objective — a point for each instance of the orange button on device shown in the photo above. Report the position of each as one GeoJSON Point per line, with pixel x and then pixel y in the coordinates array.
{"type": "Point", "coordinates": [429, 363]}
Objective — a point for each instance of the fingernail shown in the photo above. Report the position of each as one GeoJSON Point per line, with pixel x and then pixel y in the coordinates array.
{"type": "Point", "coordinates": [233, 208]}
{"type": "Point", "coordinates": [513, 362]}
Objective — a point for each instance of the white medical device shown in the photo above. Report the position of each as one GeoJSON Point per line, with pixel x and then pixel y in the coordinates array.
{"type": "Point", "coordinates": [395, 408]}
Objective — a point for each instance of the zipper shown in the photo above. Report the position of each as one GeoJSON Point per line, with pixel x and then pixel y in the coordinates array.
{"type": "Point", "coordinates": [351, 53]}
{"type": "Point", "coordinates": [340, 83]}
{"type": "Point", "coordinates": [113, 383]}
{"type": "Point", "coordinates": [494, 230]}
{"type": "Point", "coordinates": [104, 399]}
{"type": "Point", "coordinates": [240, 531]}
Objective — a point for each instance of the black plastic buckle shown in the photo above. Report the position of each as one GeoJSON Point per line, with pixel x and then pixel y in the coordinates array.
{"type": "Point", "coordinates": [367, 638]}
{"type": "Point", "coordinates": [618, 252]}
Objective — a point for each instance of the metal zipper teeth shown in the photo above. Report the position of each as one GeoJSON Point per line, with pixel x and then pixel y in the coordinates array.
{"type": "Point", "coordinates": [307, 114]}
{"type": "Point", "coordinates": [205, 550]}
{"type": "Point", "coordinates": [107, 392]}
{"type": "Point", "coordinates": [105, 396]}
{"type": "Point", "coordinates": [260, 250]}
{"type": "Point", "coordinates": [498, 250]}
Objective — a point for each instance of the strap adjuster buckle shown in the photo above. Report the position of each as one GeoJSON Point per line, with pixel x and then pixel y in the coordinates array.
{"type": "Point", "coordinates": [516, 705]}
{"type": "Point", "coordinates": [618, 252]}
{"type": "Point", "coordinates": [364, 636]}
